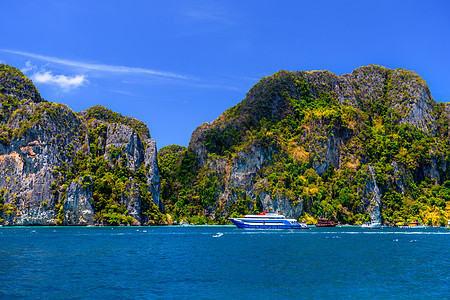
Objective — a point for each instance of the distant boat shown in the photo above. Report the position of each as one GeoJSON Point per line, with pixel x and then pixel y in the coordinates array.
{"type": "Point", "coordinates": [371, 225]}
{"type": "Point", "coordinates": [415, 225]}
{"type": "Point", "coordinates": [183, 223]}
{"type": "Point", "coordinates": [266, 220]}
{"type": "Point", "coordinates": [325, 223]}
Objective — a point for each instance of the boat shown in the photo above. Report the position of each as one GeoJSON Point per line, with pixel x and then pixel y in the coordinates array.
{"type": "Point", "coordinates": [415, 225]}
{"type": "Point", "coordinates": [325, 223]}
{"type": "Point", "coordinates": [184, 224]}
{"type": "Point", "coordinates": [371, 225]}
{"type": "Point", "coordinates": [267, 220]}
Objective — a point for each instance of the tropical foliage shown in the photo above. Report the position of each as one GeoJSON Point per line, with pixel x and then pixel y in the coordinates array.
{"type": "Point", "coordinates": [322, 153]}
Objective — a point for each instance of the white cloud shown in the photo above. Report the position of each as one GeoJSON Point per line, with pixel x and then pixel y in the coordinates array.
{"type": "Point", "coordinates": [28, 67]}
{"type": "Point", "coordinates": [209, 15]}
{"type": "Point", "coordinates": [126, 93]}
{"type": "Point", "coordinates": [97, 67]}
{"type": "Point", "coordinates": [62, 81]}
{"type": "Point", "coordinates": [43, 76]}
{"type": "Point", "coordinates": [206, 19]}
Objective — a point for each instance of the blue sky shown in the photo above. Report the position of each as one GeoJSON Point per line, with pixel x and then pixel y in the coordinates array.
{"type": "Point", "coordinates": [177, 64]}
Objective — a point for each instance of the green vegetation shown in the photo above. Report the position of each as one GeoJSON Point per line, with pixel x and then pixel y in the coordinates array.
{"type": "Point", "coordinates": [187, 191]}
{"type": "Point", "coordinates": [101, 113]}
{"type": "Point", "coordinates": [109, 179]}
{"type": "Point", "coordinates": [309, 139]}
{"type": "Point", "coordinates": [319, 153]}
{"type": "Point", "coordinates": [78, 155]}
{"type": "Point", "coordinates": [14, 83]}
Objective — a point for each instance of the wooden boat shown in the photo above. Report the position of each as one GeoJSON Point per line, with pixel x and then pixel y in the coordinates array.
{"type": "Point", "coordinates": [325, 223]}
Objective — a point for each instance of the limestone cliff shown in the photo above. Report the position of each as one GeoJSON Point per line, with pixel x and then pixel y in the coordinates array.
{"type": "Point", "coordinates": [59, 167]}
{"type": "Point", "coordinates": [79, 208]}
{"type": "Point", "coordinates": [352, 148]}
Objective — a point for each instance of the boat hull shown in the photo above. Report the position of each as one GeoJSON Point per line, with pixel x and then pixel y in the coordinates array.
{"type": "Point", "coordinates": [267, 225]}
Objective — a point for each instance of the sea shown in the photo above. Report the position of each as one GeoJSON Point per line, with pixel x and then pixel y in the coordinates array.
{"type": "Point", "coordinates": [223, 262]}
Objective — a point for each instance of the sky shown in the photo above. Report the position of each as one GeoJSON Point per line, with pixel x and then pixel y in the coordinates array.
{"type": "Point", "coordinates": [177, 64]}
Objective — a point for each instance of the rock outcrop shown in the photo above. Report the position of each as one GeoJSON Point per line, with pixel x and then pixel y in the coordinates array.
{"type": "Point", "coordinates": [153, 180]}
{"type": "Point", "coordinates": [296, 130]}
{"type": "Point", "coordinates": [45, 147]}
{"type": "Point", "coordinates": [79, 208]}
{"type": "Point", "coordinates": [372, 196]}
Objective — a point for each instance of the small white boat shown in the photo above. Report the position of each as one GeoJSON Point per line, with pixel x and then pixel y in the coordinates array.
{"type": "Point", "coordinates": [183, 223]}
{"type": "Point", "coordinates": [415, 225]}
{"type": "Point", "coordinates": [371, 225]}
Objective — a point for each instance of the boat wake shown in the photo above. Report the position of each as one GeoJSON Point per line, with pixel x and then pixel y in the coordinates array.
{"type": "Point", "coordinates": [219, 234]}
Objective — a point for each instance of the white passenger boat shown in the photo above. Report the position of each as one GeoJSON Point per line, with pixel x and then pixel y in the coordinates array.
{"type": "Point", "coordinates": [267, 220]}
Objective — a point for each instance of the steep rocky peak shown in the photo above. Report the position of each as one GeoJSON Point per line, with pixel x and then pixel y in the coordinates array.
{"type": "Point", "coordinates": [268, 99]}
{"type": "Point", "coordinates": [409, 94]}
{"type": "Point", "coordinates": [370, 70]}
{"type": "Point", "coordinates": [372, 89]}
{"type": "Point", "coordinates": [101, 113]}
{"type": "Point", "coordinates": [16, 86]}
{"type": "Point", "coordinates": [46, 151]}
{"type": "Point", "coordinates": [364, 85]}
{"type": "Point", "coordinates": [401, 90]}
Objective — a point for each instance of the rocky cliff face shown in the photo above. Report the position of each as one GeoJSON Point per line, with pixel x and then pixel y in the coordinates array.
{"type": "Point", "coordinates": [45, 148]}
{"type": "Point", "coordinates": [401, 90]}
{"type": "Point", "coordinates": [79, 208]}
{"type": "Point", "coordinates": [14, 85]}
{"type": "Point", "coordinates": [298, 132]}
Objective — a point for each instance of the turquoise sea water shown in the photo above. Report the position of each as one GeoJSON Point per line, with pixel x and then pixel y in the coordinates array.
{"type": "Point", "coordinates": [206, 262]}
